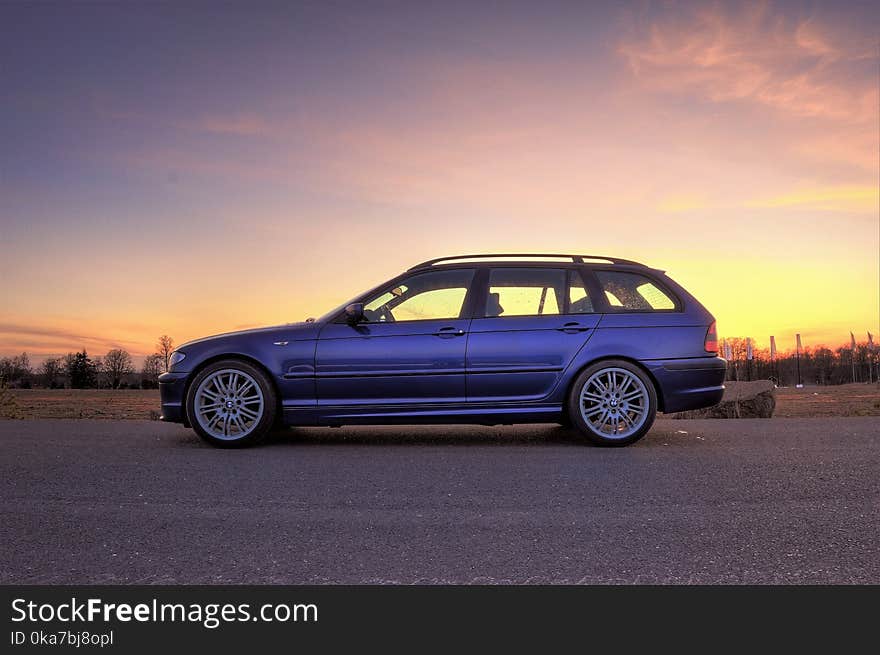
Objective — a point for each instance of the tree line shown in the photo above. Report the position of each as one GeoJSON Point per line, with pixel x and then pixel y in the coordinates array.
{"type": "Point", "coordinates": [814, 365]}
{"type": "Point", "coordinates": [77, 370]}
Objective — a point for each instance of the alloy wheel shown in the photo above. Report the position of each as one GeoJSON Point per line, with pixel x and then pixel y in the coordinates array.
{"type": "Point", "coordinates": [614, 403]}
{"type": "Point", "coordinates": [229, 404]}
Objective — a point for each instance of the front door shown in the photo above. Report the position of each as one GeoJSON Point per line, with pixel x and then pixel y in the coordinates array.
{"type": "Point", "coordinates": [534, 322]}
{"type": "Point", "coordinates": [410, 350]}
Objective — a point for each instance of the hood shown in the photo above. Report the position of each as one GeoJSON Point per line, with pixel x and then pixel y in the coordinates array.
{"type": "Point", "coordinates": [287, 329]}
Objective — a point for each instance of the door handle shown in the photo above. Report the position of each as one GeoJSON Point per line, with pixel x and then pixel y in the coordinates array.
{"type": "Point", "coordinates": [447, 332]}
{"type": "Point", "coordinates": [572, 328]}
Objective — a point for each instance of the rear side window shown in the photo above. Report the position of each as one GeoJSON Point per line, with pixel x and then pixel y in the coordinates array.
{"type": "Point", "coordinates": [525, 292]}
{"type": "Point", "coordinates": [579, 301]}
{"type": "Point", "coordinates": [535, 292]}
{"type": "Point", "coordinates": [633, 292]}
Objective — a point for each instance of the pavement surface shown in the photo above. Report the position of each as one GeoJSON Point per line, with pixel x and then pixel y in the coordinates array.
{"type": "Point", "coordinates": [700, 501]}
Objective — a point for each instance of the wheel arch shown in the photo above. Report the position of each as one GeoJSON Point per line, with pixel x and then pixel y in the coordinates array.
{"type": "Point", "coordinates": [220, 357]}
{"type": "Point", "coordinates": [657, 389]}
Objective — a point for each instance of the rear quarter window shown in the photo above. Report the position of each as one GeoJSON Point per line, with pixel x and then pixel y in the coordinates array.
{"type": "Point", "coordinates": [634, 292]}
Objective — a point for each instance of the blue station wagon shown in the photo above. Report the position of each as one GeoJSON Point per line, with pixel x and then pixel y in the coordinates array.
{"type": "Point", "coordinates": [598, 343]}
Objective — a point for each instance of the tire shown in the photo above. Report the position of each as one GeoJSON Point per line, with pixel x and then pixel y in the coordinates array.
{"type": "Point", "coordinates": [231, 404]}
{"type": "Point", "coordinates": [612, 415]}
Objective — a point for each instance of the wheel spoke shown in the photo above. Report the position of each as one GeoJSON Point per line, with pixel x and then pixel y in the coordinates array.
{"type": "Point", "coordinates": [248, 413]}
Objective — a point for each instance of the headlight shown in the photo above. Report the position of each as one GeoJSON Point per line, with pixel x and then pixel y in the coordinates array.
{"type": "Point", "coordinates": [176, 358]}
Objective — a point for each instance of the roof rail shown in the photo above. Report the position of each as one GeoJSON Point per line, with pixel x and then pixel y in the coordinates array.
{"type": "Point", "coordinates": [577, 259]}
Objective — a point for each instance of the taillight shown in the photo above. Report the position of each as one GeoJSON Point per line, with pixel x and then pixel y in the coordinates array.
{"type": "Point", "coordinates": [711, 343]}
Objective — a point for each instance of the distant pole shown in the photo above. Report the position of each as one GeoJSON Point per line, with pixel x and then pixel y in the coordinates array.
{"type": "Point", "coordinates": [852, 355]}
{"type": "Point", "coordinates": [749, 359]}
{"type": "Point", "coordinates": [774, 369]}
{"type": "Point", "coordinates": [871, 357]}
{"type": "Point", "coordinates": [798, 360]}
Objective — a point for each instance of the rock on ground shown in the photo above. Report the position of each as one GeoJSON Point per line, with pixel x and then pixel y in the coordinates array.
{"type": "Point", "coordinates": [741, 400]}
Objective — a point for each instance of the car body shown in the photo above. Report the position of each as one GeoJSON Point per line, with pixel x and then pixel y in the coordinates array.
{"type": "Point", "coordinates": [487, 339]}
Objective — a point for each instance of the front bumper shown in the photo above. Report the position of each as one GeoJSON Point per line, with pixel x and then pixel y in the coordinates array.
{"type": "Point", "coordinates": [687, 384]}
{"type": "Point", "coordinates": [172, 387]}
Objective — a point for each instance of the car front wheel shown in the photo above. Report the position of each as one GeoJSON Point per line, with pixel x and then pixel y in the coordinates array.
{"type": "Point", "coordinates": [231, 403]}
{"type": "Point", "coordinates": [613, 403]}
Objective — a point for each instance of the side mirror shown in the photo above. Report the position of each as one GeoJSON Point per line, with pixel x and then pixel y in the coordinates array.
{"type": "Point", "coordinates": [354, 313]}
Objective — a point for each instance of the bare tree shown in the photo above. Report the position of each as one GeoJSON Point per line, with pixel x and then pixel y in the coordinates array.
{"type": "Point", "coordinates": [101, 380]}
{"type": "Point", "coordinates": [50, 370]}
{"type": "Point", "coordinates": [16, 370]}
{"type": "Point", "coordinates": [151, 371]}
{"type": "Point", "coordinates": [165, 347]}
{"type": "Point", "coordinates": [23, 362]}
{"type": "Point", "coordinates": [117, 364]}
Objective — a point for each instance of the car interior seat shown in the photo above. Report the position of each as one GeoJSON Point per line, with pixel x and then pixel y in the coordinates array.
{"type": "Point", "coordinates": [493, 305]}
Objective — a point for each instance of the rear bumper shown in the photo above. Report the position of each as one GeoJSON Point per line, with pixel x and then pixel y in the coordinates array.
{"type": "Point", "coordinates": [687, 384]}
{"type": "Point", "coordinates": [171, 390]}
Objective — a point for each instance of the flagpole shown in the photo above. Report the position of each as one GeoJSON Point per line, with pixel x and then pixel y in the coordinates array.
{"type": "Point", "coordinates": [852, 355]}
{"type": "Point", "coordinates": [774, 366]}
{"type": "Point", "coordinates": [871, 360]}
{"type": "Point", "coordinates": [749, 359]}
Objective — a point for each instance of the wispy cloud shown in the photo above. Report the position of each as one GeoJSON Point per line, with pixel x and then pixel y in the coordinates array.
{"type": "Point", "coordinates": [14, 337]}
{"type": "Point", "coordinates": [844, 198]}
{"type": "Point", "coordinates": [754, 54]}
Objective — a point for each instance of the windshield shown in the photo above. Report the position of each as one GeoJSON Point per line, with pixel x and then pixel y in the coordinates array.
{"type": "Point", "coordinates": [336, 310]}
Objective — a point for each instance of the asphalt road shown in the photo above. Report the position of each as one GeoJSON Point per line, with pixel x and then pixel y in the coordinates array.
{"type": "Point", "coordinates": [737, 501]}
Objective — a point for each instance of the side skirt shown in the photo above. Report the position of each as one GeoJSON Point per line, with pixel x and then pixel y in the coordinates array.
{"type": "Point", "coordinates": [480, 414]}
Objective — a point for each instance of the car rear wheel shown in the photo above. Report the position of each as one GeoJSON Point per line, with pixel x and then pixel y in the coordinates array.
{"type": "Point", "coordinates": [613, 403]}
{"type": "Point", "coordinates": [231, 403]}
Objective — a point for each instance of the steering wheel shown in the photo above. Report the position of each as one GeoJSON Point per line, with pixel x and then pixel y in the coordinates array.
{"type": "Point", "coordinates": [385, 314]}
{"type": "Point", "coordinates": [380, 315]}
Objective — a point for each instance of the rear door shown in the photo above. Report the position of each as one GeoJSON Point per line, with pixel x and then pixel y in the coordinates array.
{"type": "Point", "coordinates": [532, 323]}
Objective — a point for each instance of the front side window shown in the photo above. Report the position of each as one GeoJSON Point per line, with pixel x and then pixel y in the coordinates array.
{"type": "Point", "coordinates": [633, 292]}
{"type": "Point", "coordinates": [425, 296]}
{"type": "Point", "coordinates": [525, 292]}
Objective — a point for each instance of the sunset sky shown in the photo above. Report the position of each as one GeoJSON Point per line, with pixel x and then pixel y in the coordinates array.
{"type": "Point", "coordinates": [197, 168]}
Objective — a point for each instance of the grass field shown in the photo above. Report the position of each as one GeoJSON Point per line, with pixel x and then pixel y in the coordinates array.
{"type": "Point", "coordinates": [844, 400]}
{"type": "Point", "coordinates": [86, 403]}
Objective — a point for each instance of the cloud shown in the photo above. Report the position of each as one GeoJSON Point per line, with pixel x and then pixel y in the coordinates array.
{"type": "Point", "coordinates": [14, 337]}
{"type": "Point", "coordinates": [843, 198]}
{"type": "Point", "coordinates": [755, 54]}
{"type": "Point", "coordinates": [679, 203]}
